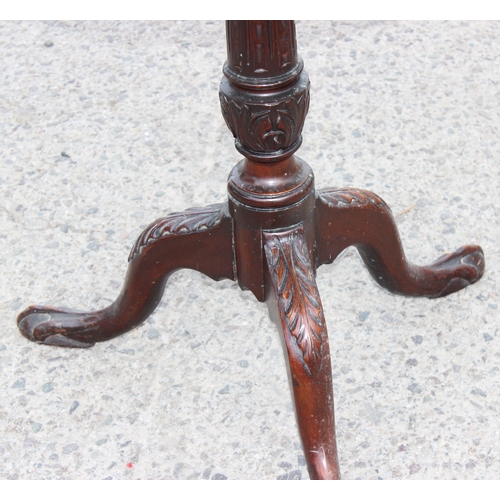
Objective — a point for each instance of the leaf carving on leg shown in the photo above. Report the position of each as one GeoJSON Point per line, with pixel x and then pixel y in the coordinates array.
{"type": "Point", "coordinates": [299, 302]}
{"type": "Point", "coordinates": [192, 220]}
{"type": "Point", "coordinates": [351, 197]}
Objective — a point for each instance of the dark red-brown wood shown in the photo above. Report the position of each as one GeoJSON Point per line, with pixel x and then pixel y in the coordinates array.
{"type": "Point", "coordinates": [346, 217]}
{"type": "Point", "coordinates": [271, 236]}
{"type": "Point", "coordinates": [200, 239]}
{"type": "Point", "coordinates": [295, 306]}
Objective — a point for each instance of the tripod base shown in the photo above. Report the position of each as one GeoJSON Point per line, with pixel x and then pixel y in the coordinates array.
{"type": "Point", "coordinates": [203, 239]}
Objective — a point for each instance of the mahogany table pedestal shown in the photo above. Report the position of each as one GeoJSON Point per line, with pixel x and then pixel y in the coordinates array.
{"type": "Point", "coordinates": [271, 236]}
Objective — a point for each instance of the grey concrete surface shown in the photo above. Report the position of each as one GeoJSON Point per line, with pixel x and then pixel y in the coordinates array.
{"type": "Point", "coordinates": [106, 126]}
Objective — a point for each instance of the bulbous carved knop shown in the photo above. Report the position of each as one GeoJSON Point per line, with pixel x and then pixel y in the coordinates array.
{"type": "Point", "coordinates": [266, 124]}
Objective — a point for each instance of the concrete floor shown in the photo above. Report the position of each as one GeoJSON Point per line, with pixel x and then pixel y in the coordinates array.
{"type": "Point", "coordinates": [106, 126]}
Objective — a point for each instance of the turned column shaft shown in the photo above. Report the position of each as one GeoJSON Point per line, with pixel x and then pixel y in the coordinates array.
{"type": "Point", "coordinates": [264, 97]}
{"type": "Point", "coordinates": [264, 94]}
{"type": "Point", "coordinates": [261, 54]}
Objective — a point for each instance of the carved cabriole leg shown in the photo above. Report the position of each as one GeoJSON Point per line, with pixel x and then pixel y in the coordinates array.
{"type": "Point", "coordinates": [295, 306]}
{"type": "Point", "coordinates": [199, 239]}
{"type": "Point", "coordinates": [271, 236]}
{"type": "Point", "coordinates": [346, 217]}
{"type": "Point", "coordinates": [264, 97]}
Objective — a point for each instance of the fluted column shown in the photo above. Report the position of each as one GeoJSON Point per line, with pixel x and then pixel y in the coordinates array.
{"type": "Point", "coordinates": [264, 94]}
{"type": "Point", "coordinates": [262, 54]}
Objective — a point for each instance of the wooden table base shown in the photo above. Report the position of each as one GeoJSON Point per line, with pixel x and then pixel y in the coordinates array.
{"type": "Point", "coordinates": [271, 236]}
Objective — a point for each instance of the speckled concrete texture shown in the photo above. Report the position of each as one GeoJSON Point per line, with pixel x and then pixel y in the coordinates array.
{"type": "Point", "coordinates": [106, 126]}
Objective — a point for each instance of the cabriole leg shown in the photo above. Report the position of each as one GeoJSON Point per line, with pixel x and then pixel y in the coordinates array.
{"type": "Point", "coordinates": [346, 217]}
{"type": "Point", "coordinates": [295, 306]}
{"type": "Point", "coordinates": [200, 239]}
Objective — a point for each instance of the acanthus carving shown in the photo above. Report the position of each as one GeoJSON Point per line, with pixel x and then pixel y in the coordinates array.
{"type": "Point", "coordinates": [193, 220]}
{"type": "Point", "coordinates": [351, 197]}
{"type": "Point", "coordinates": [293, 279]}
{"type": "Point", "coordinates": [263, 124]}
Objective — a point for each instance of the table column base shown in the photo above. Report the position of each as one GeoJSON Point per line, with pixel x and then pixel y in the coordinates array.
{"type": "Point", "coordinates": [203, 239]}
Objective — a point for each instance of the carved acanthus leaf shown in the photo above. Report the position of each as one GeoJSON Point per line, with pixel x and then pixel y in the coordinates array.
{"type": "Point", "coordinates": [350, 197]}
{"type": "Point", "coordinates": [299, 301]}
{"type": "Point", "coordinates": [264, 127]}
{"type": "Point", "coordinates": [193, 220]}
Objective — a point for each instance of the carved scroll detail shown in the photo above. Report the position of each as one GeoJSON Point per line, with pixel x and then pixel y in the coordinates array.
{"type": "Point", "coordinates": [194, 220]}
{"type": "Point", "coordinates": [298, 296]}
{"type": "Point", "coordinates": [350, 197]}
